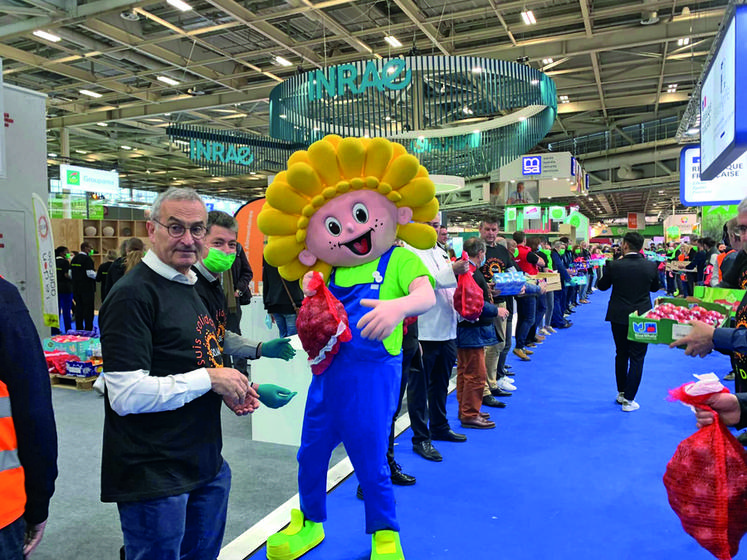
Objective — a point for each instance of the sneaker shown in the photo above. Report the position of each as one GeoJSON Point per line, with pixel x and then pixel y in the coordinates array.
{"type": "Point", "coordinates": [545, 331]}
{"type": "Point", "coordinates": [505, 385]}
{"type": "Point", "coordinates": [521, 354]}
{"type": "Point", "coordinates": [385, 545]}
{"type": "Point", "coordinates": [630, 406]}
{"type": "Point", "coordinates": [538, 338]}
{"type": "Point", "coordinates": [295, 540]}
{"type": "Point", "coordinates": [728, 377]}
{"type": "Point", "coordinates": [552, 330]}
{"type": "Point", "coordinates": [620, 397]}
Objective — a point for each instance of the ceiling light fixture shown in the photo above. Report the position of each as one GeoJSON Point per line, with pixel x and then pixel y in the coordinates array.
{"type": "Point", "coordinates": [179, 5]}
{"type": "Point", "coordinates": [51, 155]}
{"type": "Point", "coordinates": [81, 152]}
{"type": "Point", "coordinates": [693, 130]}
{"type": "Point", "coordinates": [46, 35]}
{"type": "Point", "coordinates": [283, 61]}
{"type": "Point", "coordinates": [547, 61]}
{"type": "Point", "coordinates": [167, 80]}
{"type": "Point", "coordinates": [102, 124]}
{"type": "Point", "coordinates": [126, 147]}
{"type": "Point", "coordinates": [90, 93]}
{"type": "Point", "coordinates": [528, 17]}
{"type": "Point", "coordinates": [393, 41]}
{"type": "Point", "coordinates": [683, 42]}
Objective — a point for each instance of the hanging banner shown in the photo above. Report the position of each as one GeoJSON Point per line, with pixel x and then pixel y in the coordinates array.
{"type": "Point", "coordinates": [252, 239]}
{"type": "Point", "coordinates": [47, 267]}
{"type": "Point", "coordinates": [636, 220]}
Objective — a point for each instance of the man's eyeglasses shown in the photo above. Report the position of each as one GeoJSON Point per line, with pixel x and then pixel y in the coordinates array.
{"type": "Point", "coordinates": [177, 230]}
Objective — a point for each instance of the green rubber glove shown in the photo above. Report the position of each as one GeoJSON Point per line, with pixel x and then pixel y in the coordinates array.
{"type": "Point", "coordinates": [274, 396]}
{"type": "Point", "coordinates": [278, 348]}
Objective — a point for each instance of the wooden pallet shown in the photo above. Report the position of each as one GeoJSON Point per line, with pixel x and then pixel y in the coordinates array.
{"type": "Point", "coordinates": [70, 382]}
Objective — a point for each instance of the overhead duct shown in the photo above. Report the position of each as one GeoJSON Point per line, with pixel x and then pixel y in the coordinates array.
{"type": "Point", "coordinates": [626, 172]}
{"type": "Point", "coordinates": [630, 158]}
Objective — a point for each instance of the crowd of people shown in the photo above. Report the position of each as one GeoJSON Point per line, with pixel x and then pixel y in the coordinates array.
{"type": "Point", "coordinates": [165, 379]}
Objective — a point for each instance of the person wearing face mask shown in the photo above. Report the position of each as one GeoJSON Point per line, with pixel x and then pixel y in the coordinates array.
{"type": "Point", "coordinates": [558, 320]}
{"type": "Point", "coordinates": [84, 287]}
{"type": "Point", "coordinates": [219, 254]}
{"type": "Point", "coordinates": [472, 338]}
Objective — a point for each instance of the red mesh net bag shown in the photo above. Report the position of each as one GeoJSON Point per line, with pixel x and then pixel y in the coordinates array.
{"type": "Point", "coordinates": [322, 324]}
{"type": "Point", "coordinates": [468, 297]}
{"type": "Point", "coordinates": [706, 481]}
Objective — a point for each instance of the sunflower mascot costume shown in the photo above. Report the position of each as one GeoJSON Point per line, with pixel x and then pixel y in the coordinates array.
{"type": "Point", "coordinates": [337, 211]}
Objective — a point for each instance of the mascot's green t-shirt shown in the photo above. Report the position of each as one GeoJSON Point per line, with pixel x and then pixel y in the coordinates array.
{"type": "Point", "coordinates": [403, 268]}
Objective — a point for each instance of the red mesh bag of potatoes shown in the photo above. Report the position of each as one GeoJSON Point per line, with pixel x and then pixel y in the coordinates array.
{"type": "Point", "coordinates": [322, 325]}
{"type": "Point", "coordinates": [468, 297]}
{"type": "Point", "coordinates": [706, 482]}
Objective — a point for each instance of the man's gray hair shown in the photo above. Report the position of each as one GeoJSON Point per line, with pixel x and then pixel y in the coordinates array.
{"type": "Point", "coordinates": [222, 219]}
{"type": "Point", "coordinates": [174, 193]}
{"type": "Point", "coordinates": [473, 246]}
{"type": "Point", "coordinates": [742, 206]}
{"type": "Point", "coordinates": [558, 244]}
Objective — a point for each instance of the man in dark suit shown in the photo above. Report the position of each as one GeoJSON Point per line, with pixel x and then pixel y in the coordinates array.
{"type": "Point", "coordinates": [631, 278]}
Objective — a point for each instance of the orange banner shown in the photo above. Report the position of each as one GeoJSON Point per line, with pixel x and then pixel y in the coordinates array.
{"type": "Point", "coordinates": [251, 239]}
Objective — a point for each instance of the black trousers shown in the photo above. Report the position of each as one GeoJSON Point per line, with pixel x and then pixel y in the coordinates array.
{"type": "Point", "coordinates": [628, 361]}
{"type": "Point", "coordinates": [411, 361]}
{"type": "Point", "coordinates": [84, 310]}
{"type": "Point", "coordinates": [509, 337]}
{"type": "Point", "coordinates": [427, 389]}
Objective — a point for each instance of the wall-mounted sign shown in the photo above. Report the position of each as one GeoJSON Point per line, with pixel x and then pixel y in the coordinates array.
{"type": "Point", "coordinates": [723, 123]}
{"type": "Point", "coordinates": [531, 165]}
{"type": "Point", "coordinates": [78, 178]}
{"type": "Point", "coordinates": [207, 151]}
{"type": "Point", "coordinates": [344, 78]}
{"type": "Point", "coordinates": [557, 213]}
{"type": "Point", "coordinates": [532, 212]}
{"type": "Point", "coordinates": [727, 188]}
{"type": "Point", "coordinates": [555, 165]}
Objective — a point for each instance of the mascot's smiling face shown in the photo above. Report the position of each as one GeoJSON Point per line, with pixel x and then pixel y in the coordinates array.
{"type": "Point", "coordinates": [354, 228]}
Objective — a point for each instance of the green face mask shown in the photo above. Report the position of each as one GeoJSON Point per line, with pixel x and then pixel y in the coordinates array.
{"type": "Point", "coordinates": [516, 252]}
{"type": "Point", "coordinates": [578, 251]}
{"type": "Point", "coordinates": [91, 252]}
{"type": "Point", "coordinates": [218, 261]}
{"type": "Point", "coordinates": [561, 251]}
{"type": "Point", "coordinates": [68, 256]}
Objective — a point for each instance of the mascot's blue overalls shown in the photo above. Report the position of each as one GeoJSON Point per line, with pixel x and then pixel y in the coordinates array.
{"type": "Point", "coordinates": [353, 401]}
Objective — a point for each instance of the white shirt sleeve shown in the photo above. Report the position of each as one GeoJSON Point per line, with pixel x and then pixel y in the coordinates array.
{"type": "Point", "coordinates": [91, 274]}
{"type": "Point", "coordinates": [235, 345]}
{"type": "Point", "coordinates": [136, 392]}
{"type": "Point", "coordinates": [445, 278]}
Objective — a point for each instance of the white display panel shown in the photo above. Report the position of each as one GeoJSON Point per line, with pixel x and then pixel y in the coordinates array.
{"type": "Point", "coordinates": [727, 188]}
{"type": "Point", "coordinates": [723, 117]}
{"type": "Point", "coordinates": [86, 179]}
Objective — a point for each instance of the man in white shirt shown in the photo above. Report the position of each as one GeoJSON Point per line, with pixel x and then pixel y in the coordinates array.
{"type": "Point", "coordinates": [165, 384]}
{"type": "Point", "coordinates": [427, 388]}
{"type": "Point", "coordinates": [520, 196]}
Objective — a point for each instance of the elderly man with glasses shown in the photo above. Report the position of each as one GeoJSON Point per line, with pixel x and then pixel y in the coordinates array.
{"type": "Point", "coordinates": [165, 383]}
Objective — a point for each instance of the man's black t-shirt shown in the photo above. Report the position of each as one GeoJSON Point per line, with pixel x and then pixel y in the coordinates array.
{"type": "Point", "coordinates": [64, 284]}
{"type": "Point", "coordinates": [497, 260]}
{"type": "Point", "coordinates": [82, 284]}
{"type": "Point", "coordinates": [211, 294]}
{"type": "Point", "coordinates": [162, 327]}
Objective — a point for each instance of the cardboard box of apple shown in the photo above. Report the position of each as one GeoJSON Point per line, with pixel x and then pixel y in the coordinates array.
{"type": "Point", "coordinates": [685, 314]}
{"type": "Point", "coordinates": [669, 320]}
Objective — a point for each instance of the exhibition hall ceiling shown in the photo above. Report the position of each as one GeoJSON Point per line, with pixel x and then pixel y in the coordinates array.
{"type": "Point", "coordinates": [118, 72]}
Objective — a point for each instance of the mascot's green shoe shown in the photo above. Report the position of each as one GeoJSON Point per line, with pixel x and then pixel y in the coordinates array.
{"type": "Point", "coordinates": [385, 546]}
{"type": "Point", "coordinates": [296, 539]}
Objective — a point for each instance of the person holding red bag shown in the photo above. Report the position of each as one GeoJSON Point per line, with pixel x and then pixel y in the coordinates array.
{"type": "Point", "coordinates": [472, 338]}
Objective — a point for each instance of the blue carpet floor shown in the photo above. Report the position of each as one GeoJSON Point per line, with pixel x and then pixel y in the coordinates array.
{"type": "Point", "coordinates": [565, 475]}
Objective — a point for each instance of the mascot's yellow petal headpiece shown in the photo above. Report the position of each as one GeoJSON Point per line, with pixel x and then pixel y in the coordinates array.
{"type": "Point", "coordinates": [331, 167]}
